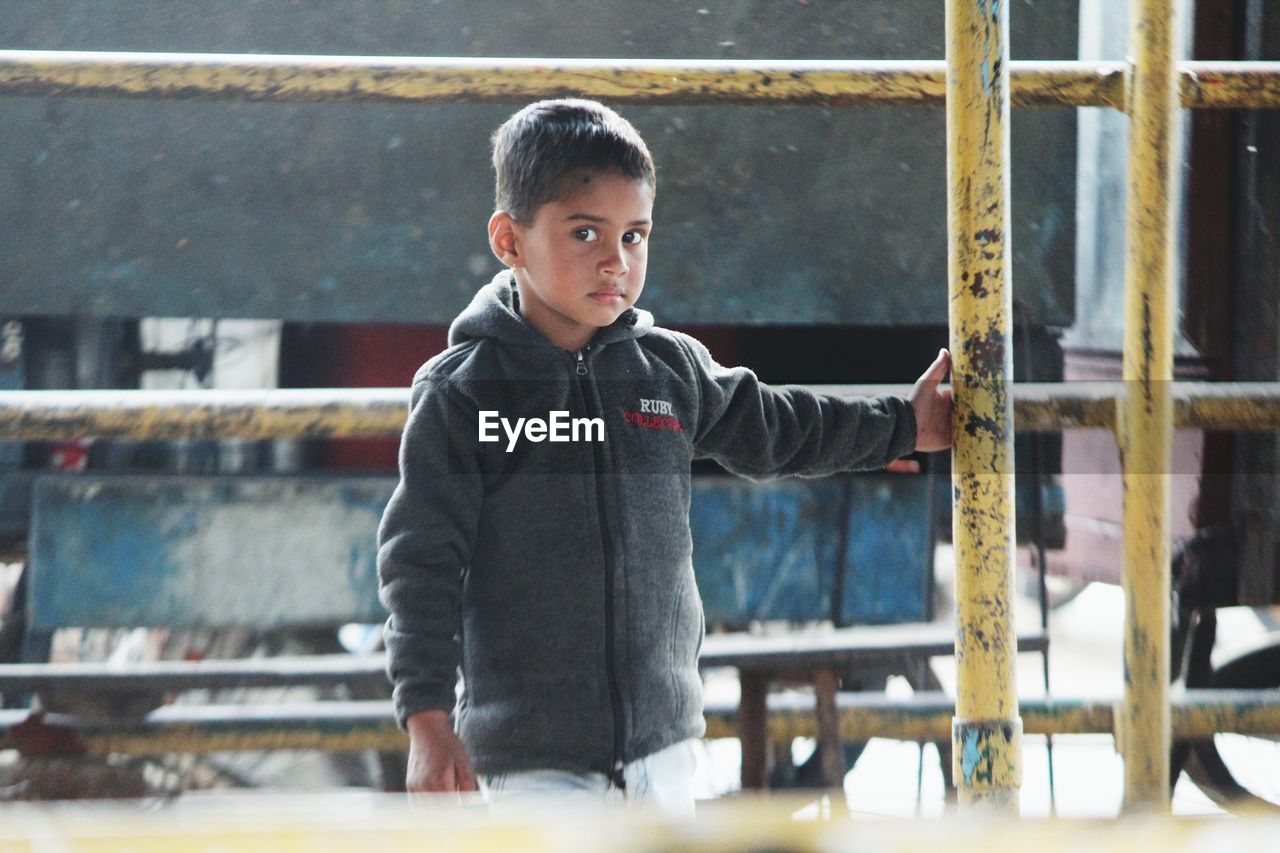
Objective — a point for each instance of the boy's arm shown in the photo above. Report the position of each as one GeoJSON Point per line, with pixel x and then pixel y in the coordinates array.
{"type": "Point", "coordinates": [425, 541]}
{"type": "Point", "coordinates": [758, 430]}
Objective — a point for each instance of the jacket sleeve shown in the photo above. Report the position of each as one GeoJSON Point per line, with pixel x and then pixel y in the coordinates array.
{"type": "Point", "coordinates": [425, 543]}
{"type": "Point", "coordinates": [760, 431]}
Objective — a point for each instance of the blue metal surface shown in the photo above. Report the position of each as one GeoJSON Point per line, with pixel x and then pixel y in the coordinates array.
{"type": "Point", "coordinates": [191, 551]}
{"type": "Point", "coordinates": [772, 552]}
{"type": "Point", "coordinates": [116, 551]}
{"type": "Point", "coordinates": [889, 566]}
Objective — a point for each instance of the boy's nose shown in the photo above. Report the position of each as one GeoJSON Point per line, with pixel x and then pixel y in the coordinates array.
{"type": "Point", "coordinates": [614, 262]}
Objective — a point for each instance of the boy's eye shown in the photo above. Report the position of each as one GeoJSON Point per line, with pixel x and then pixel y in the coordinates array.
{"type": "Point", "coordinates": [635, 238]}
{"type": "Point", "coordinates": [586, 235]}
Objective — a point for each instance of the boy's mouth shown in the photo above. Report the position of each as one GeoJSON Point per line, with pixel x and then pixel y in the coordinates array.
{"type": "Point", "coordinates": [608, 297]}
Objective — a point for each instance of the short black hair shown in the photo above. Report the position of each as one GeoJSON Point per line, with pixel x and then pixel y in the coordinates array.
{"type": "Point", "coordinates": [539, 149]}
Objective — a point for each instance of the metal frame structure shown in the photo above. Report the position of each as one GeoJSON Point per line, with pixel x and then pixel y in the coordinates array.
{"type": "Point", "coordinates": [977, 82]}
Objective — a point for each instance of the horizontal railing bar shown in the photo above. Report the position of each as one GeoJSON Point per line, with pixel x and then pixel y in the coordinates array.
{"type": "Point", "coordinates": [833, 83]}
{"type": "Point", "coordinates": [928, 715]}
{"type": "Point", "coordinates": [342, 726]}
{"type": "Point", "coordinates": [265, 77]}
{"type": "Point", "coordinates": [316, 670]}
{"type": "Point", "coordinates": [841, 648]}
{"type": "Point", "coordinates": [1224, 85]}
{"type": "Point", "coordinates": [203, 414]}
{"type": "Point", "coordinates": [838, 648]}
{"type": "Point", "coordinates": [381, 412]}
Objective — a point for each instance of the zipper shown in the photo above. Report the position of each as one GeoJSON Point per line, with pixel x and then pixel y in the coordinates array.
{"type": "Point", "coordinates": [616, 774]}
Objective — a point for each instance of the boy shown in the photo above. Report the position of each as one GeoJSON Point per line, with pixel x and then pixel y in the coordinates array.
{"type": "Point", "coordinates": [539, 536]}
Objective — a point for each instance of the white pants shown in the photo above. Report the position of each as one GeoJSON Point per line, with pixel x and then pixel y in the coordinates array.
{"type": "Point", "coordinates": [663, 780]}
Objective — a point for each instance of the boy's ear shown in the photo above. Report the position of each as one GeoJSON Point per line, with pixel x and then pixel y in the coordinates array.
{"type": "Point", "coordinates": [503, 238]}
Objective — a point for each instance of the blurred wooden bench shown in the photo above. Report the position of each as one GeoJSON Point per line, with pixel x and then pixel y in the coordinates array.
{"type": "Point", "coordinates": [822, 658]}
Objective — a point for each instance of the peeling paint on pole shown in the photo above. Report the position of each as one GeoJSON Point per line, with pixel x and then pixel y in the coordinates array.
{"type": "Point", "coordinates": [982, 423]}
{"type": "Point", "coordinates": [988, 756]}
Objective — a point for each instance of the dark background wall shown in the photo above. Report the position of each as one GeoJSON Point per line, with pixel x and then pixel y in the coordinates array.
{"type": "Point", "coordinates": [374, 213]}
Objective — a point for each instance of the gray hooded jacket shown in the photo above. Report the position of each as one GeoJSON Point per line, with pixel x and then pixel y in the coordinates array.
{"type": "Point", "coordinates": [557, 574]}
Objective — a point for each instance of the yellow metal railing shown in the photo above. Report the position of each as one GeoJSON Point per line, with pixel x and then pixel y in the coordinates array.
{"type": "Point", "coordinates": [380, 412]}
{"type": "Point", "coordinates": [977, 82]}
{"type": "Point", "coordinates": [257, 77]}
{"type": "Point", "coordinates": [352, 726]}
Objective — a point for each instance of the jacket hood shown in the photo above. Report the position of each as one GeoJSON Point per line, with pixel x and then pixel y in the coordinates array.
{"type": "Point", "coordinates": [493, 314]}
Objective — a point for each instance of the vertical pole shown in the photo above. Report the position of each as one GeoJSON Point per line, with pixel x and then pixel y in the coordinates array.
{"type": "Point", "coordinates": [1146, 413]}
{"type": "Point", "coordinates": [753, 728]}
{"type": "Point", "coordinates": [987, 731]}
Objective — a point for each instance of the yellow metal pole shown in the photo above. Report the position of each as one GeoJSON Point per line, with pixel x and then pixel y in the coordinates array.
{"type": "Point", "coordinates": [1146, 412]}
{"type": "Point", "coordinates": [987, 730]}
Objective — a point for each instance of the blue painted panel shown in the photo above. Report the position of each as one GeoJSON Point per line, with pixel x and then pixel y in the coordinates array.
{"type": "Point", "coordinates": [124, 550]}
{"type": "Point", "coordinates": [118, 551]}
{"type": "Point", "coordinates": [770, 551]}
{"type": "Point", "coordinates": [763, 552]}
{"type": "Point", "coordinates": [890, 558]}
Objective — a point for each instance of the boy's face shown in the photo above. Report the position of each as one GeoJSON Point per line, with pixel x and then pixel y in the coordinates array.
{"type": "Point", "coordinates": [581, 262]}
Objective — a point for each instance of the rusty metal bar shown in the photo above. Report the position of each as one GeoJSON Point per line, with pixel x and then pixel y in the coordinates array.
{"type": "Point", "coordinates": [340, 726]}
{"type": "Point", "coordinates": [380, 412]}
{"type": "Point", "coordinates": [927, 716]}
{"type": "Point", "coordinates": [1253, 85]}
{"type": "Point", "coordinates": [1145, 434]}
{"type": "Point", "coordinates": [258, 77]}
{"type": "Point", "coordinates": [312, 413]}
{"type": "Point", "coordinates": [987, 730]}
{"type": "Point", "coordinates": [1042, 407]}
{"type": "Point", "coordinates": [833, 83]}
{"type": "Point", "coordinates": [197, 729]}
{"type": "Point", "coordinates": [365, 671]}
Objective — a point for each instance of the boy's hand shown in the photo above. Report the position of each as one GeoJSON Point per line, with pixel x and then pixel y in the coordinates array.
{"type": "Point", "coordinates": [438, 762]}
{"type": "Point", "coordinates": [932, 406]}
